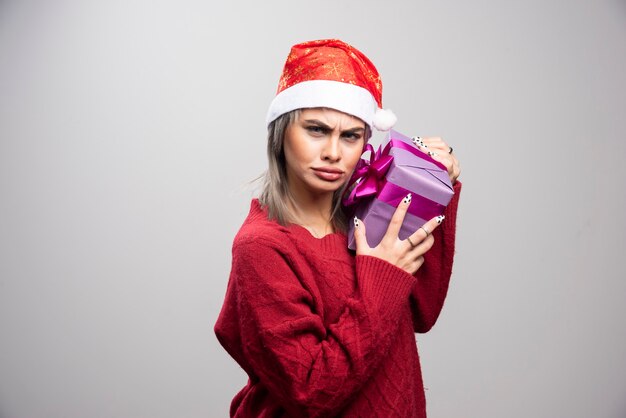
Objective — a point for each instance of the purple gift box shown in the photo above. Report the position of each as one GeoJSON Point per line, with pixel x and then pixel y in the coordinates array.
{"type": "Point", "coordinates": [396, 169]}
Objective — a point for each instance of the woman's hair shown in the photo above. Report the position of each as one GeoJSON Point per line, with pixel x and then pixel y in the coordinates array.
{"type": "Point", "coordinates": [275, 194]}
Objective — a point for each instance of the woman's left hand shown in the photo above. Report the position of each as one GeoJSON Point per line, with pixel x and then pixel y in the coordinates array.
{"type": "Point", "coordinates": [437, 148]}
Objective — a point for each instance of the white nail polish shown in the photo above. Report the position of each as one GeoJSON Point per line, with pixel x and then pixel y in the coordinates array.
{"type": "Point", "coordinates": [440, 219]}
{"type": "Point", "coordinates": [418, 141]}
{"type": "Point", "coordinates": [356, 222]}
{"type": "Point", "coordinates": [407, 199]}
{"type": "Point", "coordinates": [432, 154]}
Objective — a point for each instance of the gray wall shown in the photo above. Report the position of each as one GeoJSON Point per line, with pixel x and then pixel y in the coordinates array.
{"type": "Point", "coordinates": [129, 131]}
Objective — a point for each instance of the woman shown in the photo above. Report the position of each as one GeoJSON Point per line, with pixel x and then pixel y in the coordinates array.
{"type": "Point", "coordinates": [320, 330]}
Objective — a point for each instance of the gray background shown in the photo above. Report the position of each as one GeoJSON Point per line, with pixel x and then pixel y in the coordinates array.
{"type": "Point", "coordinates": [129, 131]}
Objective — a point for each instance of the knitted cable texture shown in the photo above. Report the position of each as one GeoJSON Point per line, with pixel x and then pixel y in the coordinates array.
{"type": "Point", "coordinates": [322, 332]}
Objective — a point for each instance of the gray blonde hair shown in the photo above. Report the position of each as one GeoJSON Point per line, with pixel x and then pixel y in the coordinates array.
{"type": "Point", "coordinates": [275, 194]}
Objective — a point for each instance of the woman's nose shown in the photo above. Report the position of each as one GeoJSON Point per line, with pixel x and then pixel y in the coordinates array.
{"type": "Point", "coordinates": [331, 151]}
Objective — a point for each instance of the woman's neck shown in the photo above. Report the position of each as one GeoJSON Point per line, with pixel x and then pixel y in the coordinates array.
{"type": "Point", "coordinates": [314, 212]}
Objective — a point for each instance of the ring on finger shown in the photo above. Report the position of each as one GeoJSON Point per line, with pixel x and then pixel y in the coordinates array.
{"type": "Point", "coordinates": [450, 150]}
{"type": "Point", "coordinates": [411, 242]}
{"type": "Point", "coordinates": [425, 230]}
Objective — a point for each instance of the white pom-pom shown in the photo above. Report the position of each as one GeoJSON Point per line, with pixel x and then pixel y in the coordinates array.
{"type": "Point", "coordinates": [384, 119]}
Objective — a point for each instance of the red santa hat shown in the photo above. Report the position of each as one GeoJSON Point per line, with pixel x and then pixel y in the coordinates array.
{"type": "Point", "coordinates": [330, 73]}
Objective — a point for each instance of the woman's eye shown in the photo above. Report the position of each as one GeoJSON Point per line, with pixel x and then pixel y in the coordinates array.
{"type": "Point", "coordinates": [352, 137]}
{"type": "Point", "coordinates": [315, 129]}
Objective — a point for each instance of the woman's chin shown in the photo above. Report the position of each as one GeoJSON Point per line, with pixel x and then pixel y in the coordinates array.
{"type": "Point", "coordinates": [323, 187]}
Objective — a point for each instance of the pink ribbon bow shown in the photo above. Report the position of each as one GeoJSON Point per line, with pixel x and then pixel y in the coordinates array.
{"type": "Point", "coordinates": [368, 174]}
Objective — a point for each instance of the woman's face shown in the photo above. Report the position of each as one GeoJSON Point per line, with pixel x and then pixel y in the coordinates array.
{"type": "Point", "coordinates": [322, 147]}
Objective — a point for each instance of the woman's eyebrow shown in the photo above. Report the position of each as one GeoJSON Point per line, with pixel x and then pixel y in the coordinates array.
{"type": "Point", "coordinates": [354, 130]}
{"type": "Point", "coordinates": [323, 125]}
{"type": "Point", "coordinates": [318, 122]}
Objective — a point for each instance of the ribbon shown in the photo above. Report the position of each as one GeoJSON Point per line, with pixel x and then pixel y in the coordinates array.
{"type": "Point", "coordinates": [410, 148]}
{"type": "Point", "coordinates": [368, 175]}
{"type": "Point", "coordinates": [420, 206]}
{"type": "Point", "coordinates": [368, 180]}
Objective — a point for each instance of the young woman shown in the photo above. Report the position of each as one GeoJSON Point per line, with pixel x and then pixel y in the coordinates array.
{"type": "Point", "coordinates": [320, 330]}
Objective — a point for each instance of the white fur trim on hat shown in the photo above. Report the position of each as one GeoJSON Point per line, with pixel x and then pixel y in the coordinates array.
{"type": "Point", "coordinates": [345, 97]}
{"type": "Point", "coordinates": [384, 119]}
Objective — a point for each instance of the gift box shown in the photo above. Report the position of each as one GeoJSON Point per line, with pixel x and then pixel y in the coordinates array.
{"type": "Point", "coordinates": [378, 185]}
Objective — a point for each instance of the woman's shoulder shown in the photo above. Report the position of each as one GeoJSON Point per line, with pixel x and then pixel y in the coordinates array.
{"type": "Point", "coordinates": [258, 230]}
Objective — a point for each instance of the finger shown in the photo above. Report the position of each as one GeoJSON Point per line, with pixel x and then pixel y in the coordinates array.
{"type": "Point", "coordinates": [415, 265]}
{"type": "Point", "coordinates": [435, 142]}
{"type": "Point", "coordinates": [398, 217]}
{"type": "Point", "coordinates": [440, 151]}
{"type": "Point", "coordinates": [456, 168]}
{"type": "Point", "coordinates": [433, 152]}
{"type": "Point", "coordinates": [420, 144]}
{"type": "Point", "coordinates": [444, 159]}
{"type": "Point", "coordinates": [433, 149]}
{"type": "Point", "coordinates": [359, 236]}
{"type": "Point", "coordinates": [451, 164]}
{"type": "Point", "coordinates": [443, 150]}
{"type": "Point", "coordinates": [423, 247]}
{"type": "Point", "coordinates": [427, 229]}
{"type": "Point", "coordinates": [419, 262]}
{"type": "Point", "coordinates": [457, 171]}
{"type": "Point", "coordinates": [427, 144]}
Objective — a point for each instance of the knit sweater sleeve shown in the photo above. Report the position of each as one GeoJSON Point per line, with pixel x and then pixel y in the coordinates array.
{"type": "Point", "coordinates": [433, 277]}
{"type": "Point", "coordinates": [313, 369]}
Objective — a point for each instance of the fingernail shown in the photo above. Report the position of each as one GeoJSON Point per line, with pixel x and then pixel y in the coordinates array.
{"type": "Point", "coordinates": [418, 141]}
{"type": "Point", "coordinates": [356, 222]}
{"type": "Point", "coordinates": [432, 154]}
{"type": "Point", "coordinates": [407, 199]}
{"type": "Point", "coordinates": [440, 219]}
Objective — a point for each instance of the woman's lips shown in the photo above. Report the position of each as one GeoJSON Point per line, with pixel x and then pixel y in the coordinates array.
{"type": "Point", "coordinates": [328, 174]}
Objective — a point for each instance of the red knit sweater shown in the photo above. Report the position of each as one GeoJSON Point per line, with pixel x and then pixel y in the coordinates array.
{"type": "Point", "coordinates": [322, 332]}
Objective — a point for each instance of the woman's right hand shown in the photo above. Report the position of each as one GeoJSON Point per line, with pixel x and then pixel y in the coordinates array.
{"type": "Point", "coordinates": [406, 254]}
